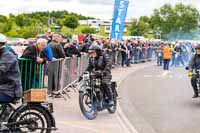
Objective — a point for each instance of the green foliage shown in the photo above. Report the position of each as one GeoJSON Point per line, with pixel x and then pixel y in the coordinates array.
{"type": "Point", "coordinates": [27, 32]}
{"type": "Point", "coordinates": [88, 30]}
{"type": "Point", "coordinates": [3, 19]}
{"type": "Point", "coordinates": [23, 20]}
{"type": "Point", "coordinates": [175, 20]}
{"type": "Point", "coordinates": [71, 22]}
{"type": "Point", "coordinates": [171, 22]}
{"type": "Point", "coordinates": [138, 27]}
{"type": "Point", "coordinates": [30, 24]}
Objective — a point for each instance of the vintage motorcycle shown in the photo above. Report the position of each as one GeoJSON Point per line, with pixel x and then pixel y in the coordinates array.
{"type": "Point", "coordinates": [28, 117]}
{"type": "Point", "coordinates": [92, 97]}
{"type": "Point", "coordinates": [195, 72]}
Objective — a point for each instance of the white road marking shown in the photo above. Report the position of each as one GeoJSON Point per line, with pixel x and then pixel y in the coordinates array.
{"type": "Point", "coordinates": [165, 73]}
{"type": "Point", "coordinates": [148, 76]}
{"type": "Point", "coordinates": [158, 76]}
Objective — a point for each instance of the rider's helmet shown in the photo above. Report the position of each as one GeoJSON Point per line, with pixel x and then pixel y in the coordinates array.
{"type": "Point", "coordinates": [94, 48]}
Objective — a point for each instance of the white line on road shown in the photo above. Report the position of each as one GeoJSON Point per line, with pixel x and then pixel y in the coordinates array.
{"type": "Point", "coordinates": [148, 76]}
{"type": "Point", "coordinates": [165, 73]}
{"type": "Point", "coordinates": [158, 76]}
{"type": "Point", "coordinates": [79, 126]}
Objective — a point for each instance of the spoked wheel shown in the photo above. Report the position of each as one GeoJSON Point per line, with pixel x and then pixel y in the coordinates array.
{"type": "Point", "coordinates": [32, 119]}
{"type": "Point", "coordinates": [87, 108]}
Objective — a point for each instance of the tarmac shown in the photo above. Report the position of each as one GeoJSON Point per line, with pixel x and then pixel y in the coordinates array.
{"type": "Point", "coordinates": [69, 118]}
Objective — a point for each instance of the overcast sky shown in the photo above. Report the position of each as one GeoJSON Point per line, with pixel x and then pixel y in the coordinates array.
{"type": "Point", "coordinates": [97, 8]}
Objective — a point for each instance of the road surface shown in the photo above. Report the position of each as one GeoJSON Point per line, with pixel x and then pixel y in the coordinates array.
{"type": "Point", "coordinates": [158, 101]}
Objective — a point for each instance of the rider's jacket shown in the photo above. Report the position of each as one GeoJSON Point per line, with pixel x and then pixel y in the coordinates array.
{"type": "Point", "coordinates": [9, 75]}
{"type": "Point", "coordinates": [195, 62]}
{"type": "Point", "coordinates": [102, 63]}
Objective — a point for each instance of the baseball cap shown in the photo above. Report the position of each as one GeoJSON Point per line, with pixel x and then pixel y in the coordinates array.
{"type": "Point", "coordinates": [3, 38]}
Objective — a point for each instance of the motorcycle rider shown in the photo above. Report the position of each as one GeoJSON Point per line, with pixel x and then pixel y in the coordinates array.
{"type": "Point", "coordinates": [195, 64]}
{"type": "Point", "coordinates": [10, 85]}
{"type": "Point", "coordinates": [99, 61]}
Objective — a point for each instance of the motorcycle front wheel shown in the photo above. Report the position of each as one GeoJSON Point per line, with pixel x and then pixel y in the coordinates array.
{"type": "Point", "coordinates": [87, 106]}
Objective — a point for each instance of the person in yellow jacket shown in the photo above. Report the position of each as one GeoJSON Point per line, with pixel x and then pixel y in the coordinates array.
{"type": "Point", "coordinates": [167, 55]}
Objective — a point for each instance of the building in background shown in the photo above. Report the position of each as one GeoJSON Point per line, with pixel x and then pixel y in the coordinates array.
{"type": "Point", "coordinates": [106, 24]}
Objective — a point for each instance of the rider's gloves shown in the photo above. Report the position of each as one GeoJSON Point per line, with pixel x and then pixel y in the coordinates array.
{"type": "Point", "coordinates": [187, 68]}
{"type": "Point", "coordinates": [104, 73]}
{"type": "Point", "coordinates": [80, 78]}
{"type": "Point", "coordinates": [98, 73]}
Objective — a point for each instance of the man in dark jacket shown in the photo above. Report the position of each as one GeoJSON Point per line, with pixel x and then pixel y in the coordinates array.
{"type": "Point", "coordinates": [10, 86]}
{"type": "Point", "coordinates": [54, 67]}
{"type": "Point", "coordinates": [123, 48]}
{"type": "Point", "coordinates": [55, 44]}
{"type": "Point", "coordinates": [71, 50]}
{"type": "Point", "coordinates": [48, 51]}
{"type": "Point", "coordinates": [36, 53]}
{"type": "Point", "coordinates": [84, 48]}
{"type": "Point", "coordinates": [100, 61]}
{"type": "Point", "coordinates": [195, 65]}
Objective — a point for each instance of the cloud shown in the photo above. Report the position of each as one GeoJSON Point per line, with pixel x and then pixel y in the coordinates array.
{"type": "Point", "coordinates": [97, 2]}
{"type": "Point", "coordinates": [59, 0]}
{"type": "Point", "coordinates": [96, 8]}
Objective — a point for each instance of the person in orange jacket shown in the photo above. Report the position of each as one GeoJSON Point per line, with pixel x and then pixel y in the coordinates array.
{"type": "Point", "coordinates": [167, 55]}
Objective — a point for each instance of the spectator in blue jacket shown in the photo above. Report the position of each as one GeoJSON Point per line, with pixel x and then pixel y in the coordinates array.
{"type": "Point", "coordinates": [48, 52]}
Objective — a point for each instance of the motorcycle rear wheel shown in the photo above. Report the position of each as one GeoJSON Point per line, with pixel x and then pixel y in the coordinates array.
{"type": "Point", "coordinates": [113, 108]}
{"type": "Point", "coordinates": [38, 121]}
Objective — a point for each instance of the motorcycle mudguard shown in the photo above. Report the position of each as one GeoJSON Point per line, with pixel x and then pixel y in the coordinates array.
{"type": "Point", "coordinates": [38, 105]}
{"type": "Point", "coordinates": [114, 86]}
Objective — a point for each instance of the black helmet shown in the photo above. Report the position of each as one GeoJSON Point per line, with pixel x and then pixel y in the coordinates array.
{"type": "Point", "coordinates": [94, 48]}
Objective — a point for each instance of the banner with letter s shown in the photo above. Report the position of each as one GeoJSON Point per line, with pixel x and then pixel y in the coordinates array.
{"type": "Point", "coordinates": [119, 17]}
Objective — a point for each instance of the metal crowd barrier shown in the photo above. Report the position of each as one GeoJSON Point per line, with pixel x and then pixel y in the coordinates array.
{"type": "Point", "coordinates": [63, 73]}
{"type": "Point", "coordinates": [31, 74]}
{"type": "Point", "coordinates": [67, 71]}
{"type": "Point", "coordinates": [139, 54]}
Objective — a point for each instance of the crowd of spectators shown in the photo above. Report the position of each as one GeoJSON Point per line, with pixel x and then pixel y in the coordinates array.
{"type": "Point", "coordinates": [49, 47]}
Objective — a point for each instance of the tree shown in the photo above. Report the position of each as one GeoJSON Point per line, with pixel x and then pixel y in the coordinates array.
{"type": "Point", "coordinates": [24, 25]}
{"type": "Point", "coordinates": [88, 30]}
{"type": "Point", "coordinates": [138, 27]}
{"type": "Point", "coordinates": [23, 20]}
{"type": "Point", "coordinates": [3, 19]}
{"type": "Point", "coordinates": [181, 19]}
{"type": "Point", "coordinates": [71, 22]}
